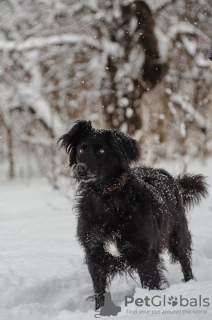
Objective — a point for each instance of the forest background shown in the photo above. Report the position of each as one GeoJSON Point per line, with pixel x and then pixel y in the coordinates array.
{"type": "Point", "coordinates": [141, 67]}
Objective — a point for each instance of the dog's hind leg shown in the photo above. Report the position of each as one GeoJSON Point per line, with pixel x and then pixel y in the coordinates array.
{"type": "Point", "coordinates": [98, 274]}
{"type": "Point", "coordinates": [180, 248]}
{"type": "Point", "coordinates": [185, 261]}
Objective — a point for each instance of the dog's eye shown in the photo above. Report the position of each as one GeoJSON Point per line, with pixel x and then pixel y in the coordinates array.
{"type": "Point", "coordinates": [81, 150]}
{"type": "Point", "coordinates": [101, 150]}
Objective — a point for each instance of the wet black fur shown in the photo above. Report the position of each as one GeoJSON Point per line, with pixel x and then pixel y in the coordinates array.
{"type": "Point", "coordinates": [144, 213]}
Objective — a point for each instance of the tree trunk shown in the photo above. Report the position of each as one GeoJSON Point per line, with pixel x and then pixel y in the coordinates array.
{"type": "Point", "coordinates": [125, 85]}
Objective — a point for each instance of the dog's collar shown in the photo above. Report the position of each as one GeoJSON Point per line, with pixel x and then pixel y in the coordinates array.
{"type": "Point", "coordinates": [121, 182]}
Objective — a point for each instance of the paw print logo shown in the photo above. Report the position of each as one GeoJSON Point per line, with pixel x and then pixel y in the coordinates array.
{"type": "Point", "coordinates": [173, 301]}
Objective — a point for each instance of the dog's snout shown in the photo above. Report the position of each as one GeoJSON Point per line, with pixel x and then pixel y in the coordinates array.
{"type": "Point", "coordinates": [82, 169]}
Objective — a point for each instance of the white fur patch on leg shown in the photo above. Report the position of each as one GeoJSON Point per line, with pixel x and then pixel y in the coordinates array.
{"type": "Point", "coordinates": [111, 247]}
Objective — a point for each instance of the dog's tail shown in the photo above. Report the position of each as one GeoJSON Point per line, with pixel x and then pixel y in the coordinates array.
{"type": "Point", "coordinates": [193, 188]}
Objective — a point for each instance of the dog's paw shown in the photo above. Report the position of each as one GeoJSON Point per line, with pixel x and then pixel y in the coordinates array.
{"type": "Point", "coordinates": [164, 285]}
{"type": "Point", "coordinates": [111, 247]}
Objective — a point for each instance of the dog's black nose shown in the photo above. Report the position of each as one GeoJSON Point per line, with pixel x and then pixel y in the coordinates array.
{"type": "Point", "coordinates": [82, 169]}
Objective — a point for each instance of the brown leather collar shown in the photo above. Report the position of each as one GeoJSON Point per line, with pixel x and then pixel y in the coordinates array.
{"type": "Point", "coordinates": [121, 182]}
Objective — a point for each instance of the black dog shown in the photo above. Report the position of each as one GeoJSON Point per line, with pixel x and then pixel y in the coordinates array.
{"type": "Point", "coordinates": [128, 216]}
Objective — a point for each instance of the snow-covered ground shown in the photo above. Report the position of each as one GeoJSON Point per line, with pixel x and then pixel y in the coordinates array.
{"type": "Point", "coordinates": [42, 275]}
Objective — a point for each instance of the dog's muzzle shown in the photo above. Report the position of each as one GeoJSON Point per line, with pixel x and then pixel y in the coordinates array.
{"type": "Point", "coordinates": [82, 170]}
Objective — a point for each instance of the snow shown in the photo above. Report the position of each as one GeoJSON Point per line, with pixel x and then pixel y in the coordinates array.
{"type": "Point", "coordinates": [163, 43]}
{"type": "Point", "coordinates": [199, 119]}
{"type": "Point", "coordinates": [201, 61]}
{"type": "Point", "coordinates": [42, 42]}
{"type": "Point", "coordinates": [42, 274]}
{"type": "Point", "coordinates": [181, 27]}
{"type": "Point", "coordinates": [185, 29]}
{"type": "Point", "coordinates": [190, 46]}
{"type": "Point", "coordinates": [155, 5]}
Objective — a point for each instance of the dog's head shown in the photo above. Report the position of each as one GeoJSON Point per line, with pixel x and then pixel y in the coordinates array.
{"type": "Point", "coordinates": [98, 154]}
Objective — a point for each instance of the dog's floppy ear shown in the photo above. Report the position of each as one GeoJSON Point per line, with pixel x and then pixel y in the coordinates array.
{"type": "Point", "coordinates": [71, 139]}
{"type": "Point", "coordinates": [127, 148]}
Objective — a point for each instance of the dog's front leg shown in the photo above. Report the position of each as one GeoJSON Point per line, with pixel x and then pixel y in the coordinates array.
{"type": "Point", "coordinates": [98, 275]}
{"type": "Point", "coordinates": [151, 273]}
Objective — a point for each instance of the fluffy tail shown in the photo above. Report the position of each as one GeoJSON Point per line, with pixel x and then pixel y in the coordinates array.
{"type": "Point", "coordinates": [193, 188]}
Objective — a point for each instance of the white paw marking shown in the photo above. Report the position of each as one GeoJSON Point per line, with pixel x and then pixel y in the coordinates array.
{"type": "Point", "coordinates": [111, 247]}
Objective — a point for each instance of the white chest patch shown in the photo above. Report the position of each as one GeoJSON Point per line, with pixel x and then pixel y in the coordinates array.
{"type": "Point", "coordinates": [111, 247]}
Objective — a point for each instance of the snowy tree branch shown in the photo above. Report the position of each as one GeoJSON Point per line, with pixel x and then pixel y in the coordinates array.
{"type": "Point", "coordinates": [163, 6]}
{"type": "Point", "coordinates": [186, 28]}
{"type": "Point", "coordinates": [187, 107]}
{"type": "Point", "coordinates": [42, 42]}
